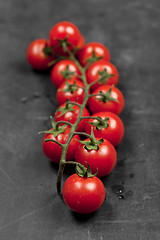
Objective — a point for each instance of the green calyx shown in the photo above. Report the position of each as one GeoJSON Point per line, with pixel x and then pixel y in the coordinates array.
{"type": "Point", "coordinates": [48, 51]}
{"type": "Point", "coordinates": [64, 44]}
{"type": "Point", "coordinates": [56, 128]}
{"type": "Point", "coordinates": [68, 108]}
{"type": "Point", "coordinates": [104, 76]}
{"type": "Point", "coordinates": [92, 144]}
{"type": "Point", "coordinates": [105, 97]}
{"type": "Point", "coordinates": [100, 123]}
{"type": "Point", "coordinates": [93, 58]}
{"type": "Point", "coordinates": [67, 73]}
{"type": "Point", "coordinates": [70, 87]}
{"type": "Point", "coordinates": [84, 172]}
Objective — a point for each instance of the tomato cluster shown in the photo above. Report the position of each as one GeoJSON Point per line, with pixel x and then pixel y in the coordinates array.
{"type": "Point", "coordinates": [86, 126]}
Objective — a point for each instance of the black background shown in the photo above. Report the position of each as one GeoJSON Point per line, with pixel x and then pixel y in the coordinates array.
{"type": "Point", "coordinates": [30, 208]}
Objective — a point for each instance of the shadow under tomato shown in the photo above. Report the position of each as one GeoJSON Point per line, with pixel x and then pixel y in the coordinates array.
{"type": "Point", "coordinates": [42, 72]}
{"type": "Point", "coordinates": [105, 210]}
{"type": "Point", "coordinates": [54, 166]}
{"type": "Point", "coordinates": [69, 169]}
{"type": "Point", "coordinates": [83, 217]}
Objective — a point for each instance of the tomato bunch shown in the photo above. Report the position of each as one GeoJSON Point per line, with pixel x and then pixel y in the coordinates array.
{"type": "Point", "coordinates": [86, 126]}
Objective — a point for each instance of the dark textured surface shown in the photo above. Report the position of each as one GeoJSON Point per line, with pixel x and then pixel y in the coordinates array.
{"type": "Point", "coordinates": [29, 206]}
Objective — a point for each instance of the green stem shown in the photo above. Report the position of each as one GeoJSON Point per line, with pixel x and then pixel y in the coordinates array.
{"type": "Point", "coordinates": [55, 141]}
{"type": "Point", "coordinates": [97, 81]}
{"type": "Point", "coordinates": [65, 122]}
{"type": "Point", "coordinates": [74, 85]}
{"type": "Point", "coordinates": [60, 173]}
{"type": "Point", "coordinates": [82, 133]}
{"type": "Point", "coordinates": [97, 118]}
{"type": "Point", "coordinates": [74, 126]}
{"type": "Point", "coordinates": [98, 94]}
{"type": "Point", "coordinates": [92, 138]}
{"type": "Point", "coordinates": [78, 76]}
{"type": "Point", "coordinates": [74, 163]}
{"type": "Point", "coordinates": [73, 103]}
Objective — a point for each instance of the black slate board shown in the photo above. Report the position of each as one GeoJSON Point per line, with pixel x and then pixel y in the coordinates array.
{"type": "Point", "coordinates": [30, 208]}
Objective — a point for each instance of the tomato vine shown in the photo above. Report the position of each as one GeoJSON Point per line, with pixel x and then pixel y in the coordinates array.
{"type": "Point", "coordinates": [79, 65]}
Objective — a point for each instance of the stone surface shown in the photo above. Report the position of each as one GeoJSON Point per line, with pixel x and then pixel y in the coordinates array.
{"type": "Point", "coordinates": [29, 205]}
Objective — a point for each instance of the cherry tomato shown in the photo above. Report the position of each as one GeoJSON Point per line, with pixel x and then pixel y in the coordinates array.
{"type": "Point", "coordinates": [53, 151]}
{"type": "Point", "coordinates": [64, 31]}
{"type": "Point", "coordinates": [81, 42]}
{"type": "Point", "coordinates": [87, 52]}
{"type": "Point", "coordinates": [71, 116]}
{"type": "Point", "coordinates": [112, 130]}
{"type": "Point", "coordinates": [36, 56]}
{"type": "Point", "coordinates": [104, 159]}
{"type": "Point", "coordinates": [68, 66]}
{"type": "Point", "coordinates": [96, 104]}
{"type": "Point", "coordinates": [67, 91]}
{"type": "Point", "coordinates": [99, 69]}
{"type": "Point", "coordinates": [83, 195]}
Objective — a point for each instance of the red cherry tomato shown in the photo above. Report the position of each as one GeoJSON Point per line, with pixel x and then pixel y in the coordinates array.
{"type": "Point", "coordinates": [81, 42]}
{"type": "Point", "coordinates": [53, 151]}
{"type": "Point", "coordinates": [93, 73]}
{"type": "Point", "coordinates": [97, 105]}
{"type": "Point", "coordinates": [87, 52]}
{"type": "Point", "coordinates": [67, 91]}
{"type": "Point", "coordinates": [58, 78]}
{"type": "Point", "coordinates": [35, 55]}
{"type": "Point", "coordinates": [83, 195]}
{"type": "Point", "coordinates": [71, 116]}
{"type": "Point", "coordinates": [61, 31]}
{"type": "Point", "coordinates": [113, 131]}
{"type": "Point", "coordinates": [104, 159]}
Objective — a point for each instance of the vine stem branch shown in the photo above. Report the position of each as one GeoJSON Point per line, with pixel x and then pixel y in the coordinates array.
{"type": "Point", "coordinates": [63, 161]}
{"type": "Point", "coordinates": [90, 117]}
{"type": "Point", "coordinates": [55, 141]}
{"type": "Point", "coordinates": [94, 95]}
{"type": "Point", "coordinates": [74, 126]}
{"type": "Point", "coordinates": [74, 85]}
{"type": "Point", "coordinates": [65, 122]}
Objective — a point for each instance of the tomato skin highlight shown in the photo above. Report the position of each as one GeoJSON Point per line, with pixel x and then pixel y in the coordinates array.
{"type": "Point", "coordinates": [76, 96]}
{"type": "Point", "coordinates": [53, 151]}
{"type": "Point", "coordinates": [61, 31]}
{"type": "Point", "coordinates": [104, 159]}
{"type": "Point", "coordinates": [92, 73]}
{"type": "Point", "coordinates": [56, 75]}
{"type": "Point", "coordinates": [72, 116]}
{"type": "Point", "coordinates": [113, 133]}
{"type": "Point", "coordinates": [87, 51]}
{"type": "Point", "coordinates": [35, 55]}
{"type": "Point", "coordinates": [83, 195]}
{"type": "Point", "coordinates": [96, 105]}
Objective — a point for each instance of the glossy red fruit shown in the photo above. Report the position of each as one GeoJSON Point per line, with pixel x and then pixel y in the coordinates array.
{"type": "Point", "coordinates": [67, 91]}
{"type": "Point", "coordinates": [36, 56]}
{"type": "Point", "coordinates": [87, 52]}
{"type": "Point", "coordinates": [57, 77]}
{"type": "Point", "coordinates": [61, 31]}
{"type": "Point", "coordinates": [71, 116]}
{"type": "Point", "coordinates": [104, 159]}
{"type": "Point", "coordinates": [113, 130]}
{"type": "Point", "coordinates": [83, 195]}
{"type": "Point", "coordinates": [94, 72]}
{"type": "Point", "coordinates": [53, 151]}
{"type": "Point", "coordinates": [96, 104]}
